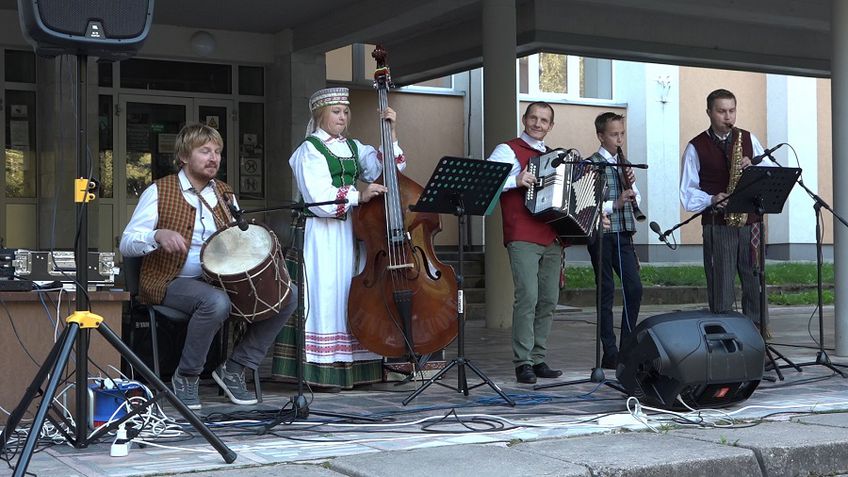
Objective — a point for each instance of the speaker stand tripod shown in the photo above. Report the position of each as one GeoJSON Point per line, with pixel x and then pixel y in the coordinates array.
{"type": "Point", "coordinates": [462, 186]}
{"type": "Point", "coordinates": [77, 332]}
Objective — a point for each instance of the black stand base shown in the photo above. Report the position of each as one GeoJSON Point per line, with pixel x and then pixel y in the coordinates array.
{"type": "Point", "coordinates": [462, 382]}
{"type": "Point", "coordinates": [597, 376]}
{"type": "Point", "coordinates": [55, 365]}
{"type": "Point", "coordinates": [773, 355]}
{"type": "Point", "coordinates": [822, 359]}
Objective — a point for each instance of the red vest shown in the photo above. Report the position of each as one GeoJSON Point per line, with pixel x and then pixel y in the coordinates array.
{"type": "Point", "coordinates": [518, 223]}
{"type": "Point", "coordinates": [715, 170]}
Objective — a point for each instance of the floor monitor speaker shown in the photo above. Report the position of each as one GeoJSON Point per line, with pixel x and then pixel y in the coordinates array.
{"type": "Point", "coordinates": [703, 359]}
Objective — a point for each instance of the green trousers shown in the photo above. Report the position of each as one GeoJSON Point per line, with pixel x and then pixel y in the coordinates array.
{"type": "Point", "coordinates": [535, 274]}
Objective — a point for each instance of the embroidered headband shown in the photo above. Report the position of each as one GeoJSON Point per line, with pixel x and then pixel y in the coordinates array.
{"type": "Point", "coordinates": [328, 96]}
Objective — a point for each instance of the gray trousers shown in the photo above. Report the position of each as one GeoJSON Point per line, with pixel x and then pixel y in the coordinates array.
{"type": "Point", "coordinates": [535, 273]}
{"type": "Point", "coordinates": [209, 308]}
{"type": "Point", "coordinates": [727, 252]}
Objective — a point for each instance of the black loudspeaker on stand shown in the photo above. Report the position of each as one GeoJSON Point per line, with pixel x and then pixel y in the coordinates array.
{"type": "Point", "coordinates": [107, 29]}
{"type": "Point", "coordinates": [462, 187]}
{"type": "Point", "coordinates": [77, 332]}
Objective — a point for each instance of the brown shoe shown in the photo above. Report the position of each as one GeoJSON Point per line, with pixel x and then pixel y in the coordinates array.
{"type": "Point", "coordinates": [524, 374]}
{"type": "Point", "coordinates": [542, 370]}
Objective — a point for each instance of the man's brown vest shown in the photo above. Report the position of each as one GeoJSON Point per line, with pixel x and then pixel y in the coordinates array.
{"type": "Point", "coordinates": [714, 173]}
{"type": "Point", "coordinates": [160, 267]}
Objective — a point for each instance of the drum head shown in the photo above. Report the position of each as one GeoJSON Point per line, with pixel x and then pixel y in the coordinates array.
{"type": "Point", "coordinates": [236, 251]}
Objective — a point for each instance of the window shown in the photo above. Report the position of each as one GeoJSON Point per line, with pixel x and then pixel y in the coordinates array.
{"type": "Point", "coordinates": [20, 66]}
{"type": "Point", "coordinates": [251, 80]}
{"type": "Point", "coordinates": [564, 76]}
{"type": "Point", "coordinates": [176, 76]}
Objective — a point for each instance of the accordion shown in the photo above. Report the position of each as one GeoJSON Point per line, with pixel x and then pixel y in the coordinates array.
{"type": "Point", "coordinates": [567, 194]}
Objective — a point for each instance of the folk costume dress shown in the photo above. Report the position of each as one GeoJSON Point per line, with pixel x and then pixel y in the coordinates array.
{"type": "Point", "coordinates": [326, 168]}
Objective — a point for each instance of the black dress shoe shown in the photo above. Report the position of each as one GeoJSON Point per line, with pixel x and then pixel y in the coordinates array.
{"type": "Point", "coordinates": [609, 361]}
{"type": "Point", "coordinates": [542, 370]}
{"type": "Point", "coordinates": [524, 374]}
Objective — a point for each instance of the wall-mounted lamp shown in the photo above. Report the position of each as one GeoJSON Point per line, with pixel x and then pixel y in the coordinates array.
{"type": "Point", "coordinates": [202, 43]}
{"type": "Point", "coordinates": [664, 83]}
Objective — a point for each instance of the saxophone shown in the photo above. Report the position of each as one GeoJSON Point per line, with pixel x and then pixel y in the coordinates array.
{"type": "Point", "coordinates": [736, 219]}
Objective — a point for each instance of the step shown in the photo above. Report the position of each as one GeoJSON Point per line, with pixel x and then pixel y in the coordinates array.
{"type": "Point", "coordinates": [469, 267]}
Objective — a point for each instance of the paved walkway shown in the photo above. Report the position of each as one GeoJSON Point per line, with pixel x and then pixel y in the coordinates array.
{"type": "Point", "coordinates": [790, 427]}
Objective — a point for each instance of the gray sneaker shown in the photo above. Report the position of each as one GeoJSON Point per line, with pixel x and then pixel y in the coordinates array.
{"type": "Point", "coordinates": [234, 386]}
{"type": "Point", "coordinates": [186, 389]}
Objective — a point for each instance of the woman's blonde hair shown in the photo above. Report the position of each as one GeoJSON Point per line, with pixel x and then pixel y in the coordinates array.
{"type": "Point", "coordinates": [318, 117]}
{"type": "Point", "coordinates": [194, 135]}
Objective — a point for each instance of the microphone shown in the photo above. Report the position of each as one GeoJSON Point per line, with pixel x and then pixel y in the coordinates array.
{"type": "Point", "coordinates": [238, 216]}
{"type": "Point", "coordinates": [656, 228]}
{"type": "Point", "coordinates": [767, 153]}
{"type": "Point", "coordinates": [560, 157]}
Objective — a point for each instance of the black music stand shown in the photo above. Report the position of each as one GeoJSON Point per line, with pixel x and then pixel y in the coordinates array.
{"type": "Point", "coordinates": [77, 332]}
{"type": "Point", "coordinates": [462, 186]}
{"type": "Point", "coordinates": [764, 190]}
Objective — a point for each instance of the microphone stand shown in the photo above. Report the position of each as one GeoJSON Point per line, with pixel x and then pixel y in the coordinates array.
{"type": "Point", "coordinates": [597, 373]}
{"type": "Point", "coordinates": [708, 210]}
{"type": "Point", "coordinates": [822, 358]}
{"type": "Point", "coordinates": [300, 406]}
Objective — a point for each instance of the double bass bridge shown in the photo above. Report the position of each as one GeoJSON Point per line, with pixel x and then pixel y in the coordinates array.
{"type": "Point", "coordinates": [400, 266]}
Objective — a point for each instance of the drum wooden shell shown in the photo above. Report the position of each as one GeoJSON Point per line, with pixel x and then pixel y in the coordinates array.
{"type": "Point", "coordinates": [248, 265]}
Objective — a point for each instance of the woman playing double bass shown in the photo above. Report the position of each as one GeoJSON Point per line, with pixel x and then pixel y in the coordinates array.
{"type": "Point", "coordinates": [327, 166]}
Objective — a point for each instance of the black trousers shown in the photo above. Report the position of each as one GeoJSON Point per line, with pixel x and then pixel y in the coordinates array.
{"type": "Point", "coordinates": [619, 256]}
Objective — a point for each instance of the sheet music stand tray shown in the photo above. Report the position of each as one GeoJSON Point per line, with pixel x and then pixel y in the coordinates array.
{"type": "Point", "coordinates": [764, 190]}
{"type": "Point", "coordinates": [461, 186]}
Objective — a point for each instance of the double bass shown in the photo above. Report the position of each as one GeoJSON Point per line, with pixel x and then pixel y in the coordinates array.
{"type": "Point", "coordinates": [405, 300]}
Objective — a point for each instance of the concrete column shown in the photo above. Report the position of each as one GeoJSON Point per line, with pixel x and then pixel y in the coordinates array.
{"type": "Point", "coordinates": [839, 106]}
{"type": "Point", "coordinates": [500, 107]}
{"type": "Point", "coordinates": [653, 137]}
{"type": "Point", "coordinates": [292, 79]}
{"type": "Point", "coordinates": [471, 84]}
{"type": "Point", "coordinates": [791, 103]}
{"type": "Point", "coordinates": [57, 153]}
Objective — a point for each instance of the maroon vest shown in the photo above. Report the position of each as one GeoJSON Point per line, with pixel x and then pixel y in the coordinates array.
{"type": "Point", "coordinates": [715, 170]}
{"type": "Point", "coordinates": [518, 223]}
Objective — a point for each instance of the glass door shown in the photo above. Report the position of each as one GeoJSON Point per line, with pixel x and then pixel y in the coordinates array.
{"type": "Point", "coordinates": [147, 131]}
{"type": "Point", "coordinates": [218, 114]}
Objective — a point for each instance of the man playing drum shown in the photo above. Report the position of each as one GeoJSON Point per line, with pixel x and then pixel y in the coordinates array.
{"type": "Point", "coordinates": [173, 219]}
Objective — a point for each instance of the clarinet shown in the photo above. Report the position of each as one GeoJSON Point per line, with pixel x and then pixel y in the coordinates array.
{"type": "Point", "coordinates": [625, 180]}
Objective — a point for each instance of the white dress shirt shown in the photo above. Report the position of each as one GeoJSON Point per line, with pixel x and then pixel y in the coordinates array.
{"type": "Point", "coordinates": [613, 159]}
{"type": "Point", "coordinates": [138, 237]}
{"type": "Point", "coordinates": [691, 196]}
{"type": "Point", "coordinates": [504, 153]}
{"type": "Point", "coordinates": [313, 175]}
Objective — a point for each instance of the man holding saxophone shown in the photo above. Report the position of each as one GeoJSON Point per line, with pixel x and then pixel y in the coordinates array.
{"type": "Point", "coordinates": [712, 162]}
